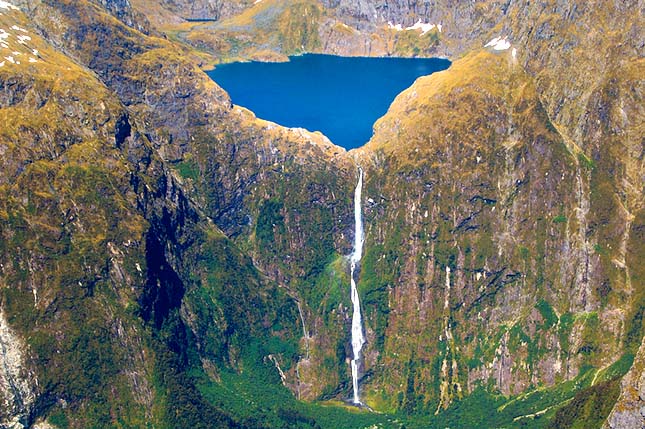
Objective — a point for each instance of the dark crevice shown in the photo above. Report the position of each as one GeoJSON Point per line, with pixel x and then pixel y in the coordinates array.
{"type": "Point", "coordinates": [164, 289]}
{"type": "Point", "coordinates": [122, 130]}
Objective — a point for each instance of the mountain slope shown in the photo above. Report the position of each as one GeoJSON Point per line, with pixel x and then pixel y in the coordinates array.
{"type": "Point", "coordinates": [114, 286]}
{"type": "Point", "coordinates": [166, 255]}
{"type": "Point", "coordinates": [553, 217]}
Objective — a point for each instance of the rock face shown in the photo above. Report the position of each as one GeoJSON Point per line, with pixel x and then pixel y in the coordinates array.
{"type": "Point", "coordinates": [157, 239]}
{"type": "Point", "coordinates": [492, 209]}
{"type": "Point", "coordinates": [17, 386]}
{"type": "Point", "coordinates": [205, 9]}
{"type": "Point", "coordinates": [123, 11]}
{"type": "Point", "coordinates": [629, 411]}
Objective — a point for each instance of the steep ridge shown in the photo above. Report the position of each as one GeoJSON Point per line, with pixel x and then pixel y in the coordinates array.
{"type": "Point", "coordinates": [596, 104]}
{"type": "Point", "coordinates": [56, 242]}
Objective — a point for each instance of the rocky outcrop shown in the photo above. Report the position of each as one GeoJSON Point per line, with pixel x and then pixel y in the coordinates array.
{"type": "Point", "coordinates": [17, 386]}
{"type": "Point", "coordinates": [629, 411]}
{"type": "Point", "coordinates": [206, 9]}
{"type": "Point", "coordinates": [124, 12]}
{"type": "Point", "coordinates": [363, 28]}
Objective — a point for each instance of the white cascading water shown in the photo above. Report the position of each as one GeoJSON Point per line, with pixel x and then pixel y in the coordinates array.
{"type": "Point", "coordinates": [357, 323]}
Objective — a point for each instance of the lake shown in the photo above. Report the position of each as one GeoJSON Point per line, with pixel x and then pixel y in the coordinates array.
{"type": "Point", "coordinates": [341, 97]}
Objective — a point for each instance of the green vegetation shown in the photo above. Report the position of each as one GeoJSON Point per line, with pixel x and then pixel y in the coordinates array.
{"type": "Point", "coordinates": [600, 249]}
{"type": "Point", "coordinates": [564, 330]}
{"type": "Point", "coordinates": [585, 161]}
{"type": "Point", "coordinates": [257, 399]}
{"type": "Point", "coordinates": [270, 223]}
{"type": "Point", "coordinates": [589, 408]}
{"type": "Point", "coordinates": [330, 287]}
{"type": "Point", "coordinates": [590, 344]}
{"type": "Point", "coordinates": [298, 27]}
{"type": "Point", "coordinates": [560, 219]}
{"type": "Point", "coordinates": [375, 280]}
{"type": "Point", "coordinates": [188, 170]}
{"type": "Point", "coordinates": [411, 43]}
{"type": "Point", "coordinates": [269, 30]}
{"type": "Point", "coordinates": [534, 409]}
{"type": "Point", "coordinates": [547, 313]}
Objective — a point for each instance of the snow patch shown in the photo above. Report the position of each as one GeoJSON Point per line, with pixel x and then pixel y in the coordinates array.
{"type": "Point", "coordinates": [7, 5]}
{"type": "Point", "coordinates": [423, 26]}
{"type": "Point", "coordinates": [498, 44]}
{"type": "Point", "coordinates": [33, 60]}
{"type": "Point", "coordinates": [2, 64]}
{"type": "Point", "coordinates": [10, 59]}
{"type": "Point", "coordinates": [23, 39]}
{"type": "Point", "coordinates": [397, 27]}
{"type": "Point", "coordinates": [15, 27]}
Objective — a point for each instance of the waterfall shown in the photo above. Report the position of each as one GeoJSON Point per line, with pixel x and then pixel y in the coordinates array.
{"type": "Point", "coordinates": [357, 323]}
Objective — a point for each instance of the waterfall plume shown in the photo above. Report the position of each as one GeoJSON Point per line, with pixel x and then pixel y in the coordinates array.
{"type": "Point", "coordinates": [357, 323]}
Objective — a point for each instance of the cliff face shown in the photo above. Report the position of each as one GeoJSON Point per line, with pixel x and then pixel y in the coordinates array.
{"type": "Point", "coordinates": [536, 248]}
{"type": "Point", "coordinates": [493, 212]}
{"type": "Point", "coordinates": [481, 205]}
{"type": "Point", "coordinates": [162, 247]}
{"type": "Point", "coordinates": [205, 9]}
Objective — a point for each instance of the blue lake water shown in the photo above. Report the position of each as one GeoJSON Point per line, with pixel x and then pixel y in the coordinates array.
{"type": "Point", "coordinates": [340, 96]}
